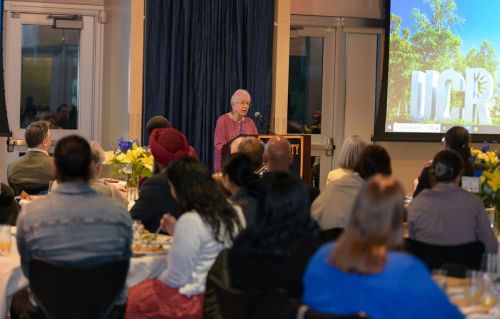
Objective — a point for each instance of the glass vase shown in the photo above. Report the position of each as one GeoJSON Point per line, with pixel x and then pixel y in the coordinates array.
{"type": "Point", "coordinates": [132, 189]}
{"type": "Point", "coordinates": [494, 216]}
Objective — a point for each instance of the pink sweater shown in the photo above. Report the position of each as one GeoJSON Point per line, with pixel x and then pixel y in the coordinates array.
{"type": "Point", "coordinates": [227, 129]}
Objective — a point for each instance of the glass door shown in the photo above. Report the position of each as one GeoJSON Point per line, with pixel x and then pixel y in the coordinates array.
{"type": "Point", "coordinates": [50, 69]}
{"type": "Point", "coordinates": [310, 94]}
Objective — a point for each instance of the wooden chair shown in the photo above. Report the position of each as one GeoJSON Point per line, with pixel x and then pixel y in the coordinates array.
{"type": "Point", "coordinates": [77, 292]}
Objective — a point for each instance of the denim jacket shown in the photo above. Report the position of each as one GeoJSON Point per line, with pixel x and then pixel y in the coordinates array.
{"type": "Point", "coordinates": [74, 225]}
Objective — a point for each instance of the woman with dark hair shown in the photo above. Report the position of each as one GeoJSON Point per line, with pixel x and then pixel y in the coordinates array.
{"type": "Point", "coordinates": [240, 180]}
{"type": "Point", "coordinates": [456, 139]}
{"type": "Point", "coordinates": [332, 207]}
{"type": "Point", "coordinates": [273, 253]}
{"type": "Point", "coordinates": [363, 272]}
{"type": "Point", "coordinates": [208, 223]}
{"type": "Point", "coordinates": [447, 214]}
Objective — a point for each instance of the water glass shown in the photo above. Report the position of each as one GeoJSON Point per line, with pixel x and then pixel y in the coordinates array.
{"type": "Point", "coordinates": [473, 292]}
{"type": "Point", "coordinates": [132, 193]}
{"type": "Point", "coordinates": [138, 228]}
{"type": "Point", "coordinates": [490, 263]}
{"type": "Point", "coordinates": [5, 240]}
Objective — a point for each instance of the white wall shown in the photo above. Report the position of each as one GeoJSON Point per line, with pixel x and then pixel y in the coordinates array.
{"type": "Point", "coordinates": [115, 97]}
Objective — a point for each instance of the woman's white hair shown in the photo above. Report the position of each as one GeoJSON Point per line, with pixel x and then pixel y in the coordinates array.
{"type": "Point", "coordinates": [350, 152]}
{"type": "Point", "coordinates": [238, 93]}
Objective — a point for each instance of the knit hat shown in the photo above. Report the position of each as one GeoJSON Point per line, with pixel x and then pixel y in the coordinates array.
{"type": "Point", "coordinates": [167, 144]}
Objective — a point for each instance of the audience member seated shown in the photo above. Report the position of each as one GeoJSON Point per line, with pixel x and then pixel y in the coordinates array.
{"type": "Point", "coordinates": [333, 206]}
{"type": "Point", "coordinates": [251, 147]}
{"type": "Point", "coordinates": [447, 214]}
{"type": "Point", "coordinates": [348, 158]}
{"type": "Point", "coordinates": [278, 158]}
{"type": "Point", "coordinates": [207, 225]}
{"type": "Point", "coordinates": [273, 253]}
{"type": "Point", "coordinates": [95, 182]}
{"type": "Point", "coordinates": [456, 139]}
{"type": "Point", "coordinates": [9, 208]}
{"type": "Point", "coordinates": [34, 170]}
{"type": "Point", "coordinates": [241, 181]}
{"type": "Point", "coordinates": [154, 200]}
{"type": "Point", "coordinates": [362, 272]}
{"type": "Point", "coordinates": [157, 121]}
{"type": "Point", "coordinates": [73, 225]}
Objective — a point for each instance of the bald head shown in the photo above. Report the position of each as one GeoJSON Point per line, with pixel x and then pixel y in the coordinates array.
{"type": "Point", "coordinates": [278, 154]}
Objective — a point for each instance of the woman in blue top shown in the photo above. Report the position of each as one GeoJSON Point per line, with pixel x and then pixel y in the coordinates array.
{"type": "Point", "coordinates": [362, 271]}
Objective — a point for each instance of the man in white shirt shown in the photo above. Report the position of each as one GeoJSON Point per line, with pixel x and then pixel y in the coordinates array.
{"type": "Point", "coordinates": [33, 171]}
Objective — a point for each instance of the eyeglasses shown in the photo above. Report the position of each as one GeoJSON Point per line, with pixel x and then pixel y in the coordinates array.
{"type": "Point", "coordinates": [243, 102]}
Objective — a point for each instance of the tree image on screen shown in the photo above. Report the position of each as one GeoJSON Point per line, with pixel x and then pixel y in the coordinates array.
{"type": "Point", "coordinates": [435, 75]}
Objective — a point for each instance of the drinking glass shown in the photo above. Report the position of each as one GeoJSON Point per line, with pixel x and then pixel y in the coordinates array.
{"type": "Point", "coordinates": [474, 292]}
{"type": "Point", "coordinates": [5, 240]}
{"type": "Point", "coordinates": [490, 263]}
{"type": "Point", "coordinates": [138, 228]}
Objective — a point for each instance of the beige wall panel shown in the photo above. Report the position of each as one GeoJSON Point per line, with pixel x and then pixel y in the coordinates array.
{"type": "Point", "coordinates": [361, 74]}
{"type": "Point", "coordinates": [91, 2]}
{"type": "Point", "coordinates": [115, 106]}
{"type": "Point", "coordinates": [408, 159]}
{"type": "Point", "coordinates": [338, 8]}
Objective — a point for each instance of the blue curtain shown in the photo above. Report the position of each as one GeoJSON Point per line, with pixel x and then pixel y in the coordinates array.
{"type": "Point", "coordinates": [197, 53]}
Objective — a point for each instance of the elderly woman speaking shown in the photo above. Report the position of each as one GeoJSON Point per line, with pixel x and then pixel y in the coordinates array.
{"type": "Point", "coordinates": [232, 124]}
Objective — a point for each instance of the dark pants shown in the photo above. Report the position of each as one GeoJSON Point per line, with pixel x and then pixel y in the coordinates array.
{"type": "Point", "coordinates": [22, 308]}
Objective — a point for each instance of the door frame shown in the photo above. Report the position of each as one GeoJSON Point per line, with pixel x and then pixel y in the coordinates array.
{"type": "Point", "coordinates": [341, 26]}
{"type": "Point", "coordinates": [90, 14]}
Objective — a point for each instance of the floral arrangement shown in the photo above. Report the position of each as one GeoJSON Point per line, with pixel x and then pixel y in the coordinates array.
{"type": "Point", "coordinates": [487, 168]}
{"type": "Point", "coordinates": [131, 161]}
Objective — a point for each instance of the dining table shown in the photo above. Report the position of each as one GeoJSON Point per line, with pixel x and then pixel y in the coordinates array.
{"type": "Point", "coordinates": [142, 267]}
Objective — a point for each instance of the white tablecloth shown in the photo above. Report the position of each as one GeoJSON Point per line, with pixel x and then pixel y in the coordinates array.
{"type": "Point", "coordinates": [12, 278]}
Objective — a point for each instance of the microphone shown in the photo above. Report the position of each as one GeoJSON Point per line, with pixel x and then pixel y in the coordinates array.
{"type": "Point", "coordinates": [261, 119]}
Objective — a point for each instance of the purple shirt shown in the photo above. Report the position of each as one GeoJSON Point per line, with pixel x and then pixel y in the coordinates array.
{"type": "Point", "coordinates": [449, 215]}
{"type": "Point", "coordinates": [226, 130]}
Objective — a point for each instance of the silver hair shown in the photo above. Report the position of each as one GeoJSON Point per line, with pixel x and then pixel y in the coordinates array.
{"type": "Point", "coordinates": [239, 93]}
{"type": "Point", "coordinates": [350, 152]}
{"type": "Point", "coordinates": [97, 153]}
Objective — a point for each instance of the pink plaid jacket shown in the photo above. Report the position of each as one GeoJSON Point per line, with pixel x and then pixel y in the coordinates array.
{"type": "Point", "coordinates": [227, 129]}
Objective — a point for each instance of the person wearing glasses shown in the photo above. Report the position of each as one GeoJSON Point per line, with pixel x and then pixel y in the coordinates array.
{"type": "Point", "coordinates": [232, 124]}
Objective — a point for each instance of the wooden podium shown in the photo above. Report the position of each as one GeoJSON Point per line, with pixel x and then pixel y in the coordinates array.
{"type": "Point", "coordinates": [301, 152]}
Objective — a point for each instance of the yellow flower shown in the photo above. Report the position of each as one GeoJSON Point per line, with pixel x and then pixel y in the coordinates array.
{"type": "Point", "coordinates": [109, 156]}
{"type": "Point", "coordinates": [123, 158]}
{"type": "Point", "coordinates": [137, 151]}
{"type": "Point", "coordinates": [135, 162]}
{"type": "Point", "coordinates": [482, 156]}
{"type": "Point", "coordinates": [493, 179]}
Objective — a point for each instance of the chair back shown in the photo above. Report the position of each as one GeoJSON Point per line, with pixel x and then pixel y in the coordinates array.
{"type": "Point", "coordinates": [435, 256]}
{"type": "Point", "coordinates": [77, 292]}
{"type": "Point", "coordinates": [232, 303]}
{"type": "Point", "coordinates": [303, 312]}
